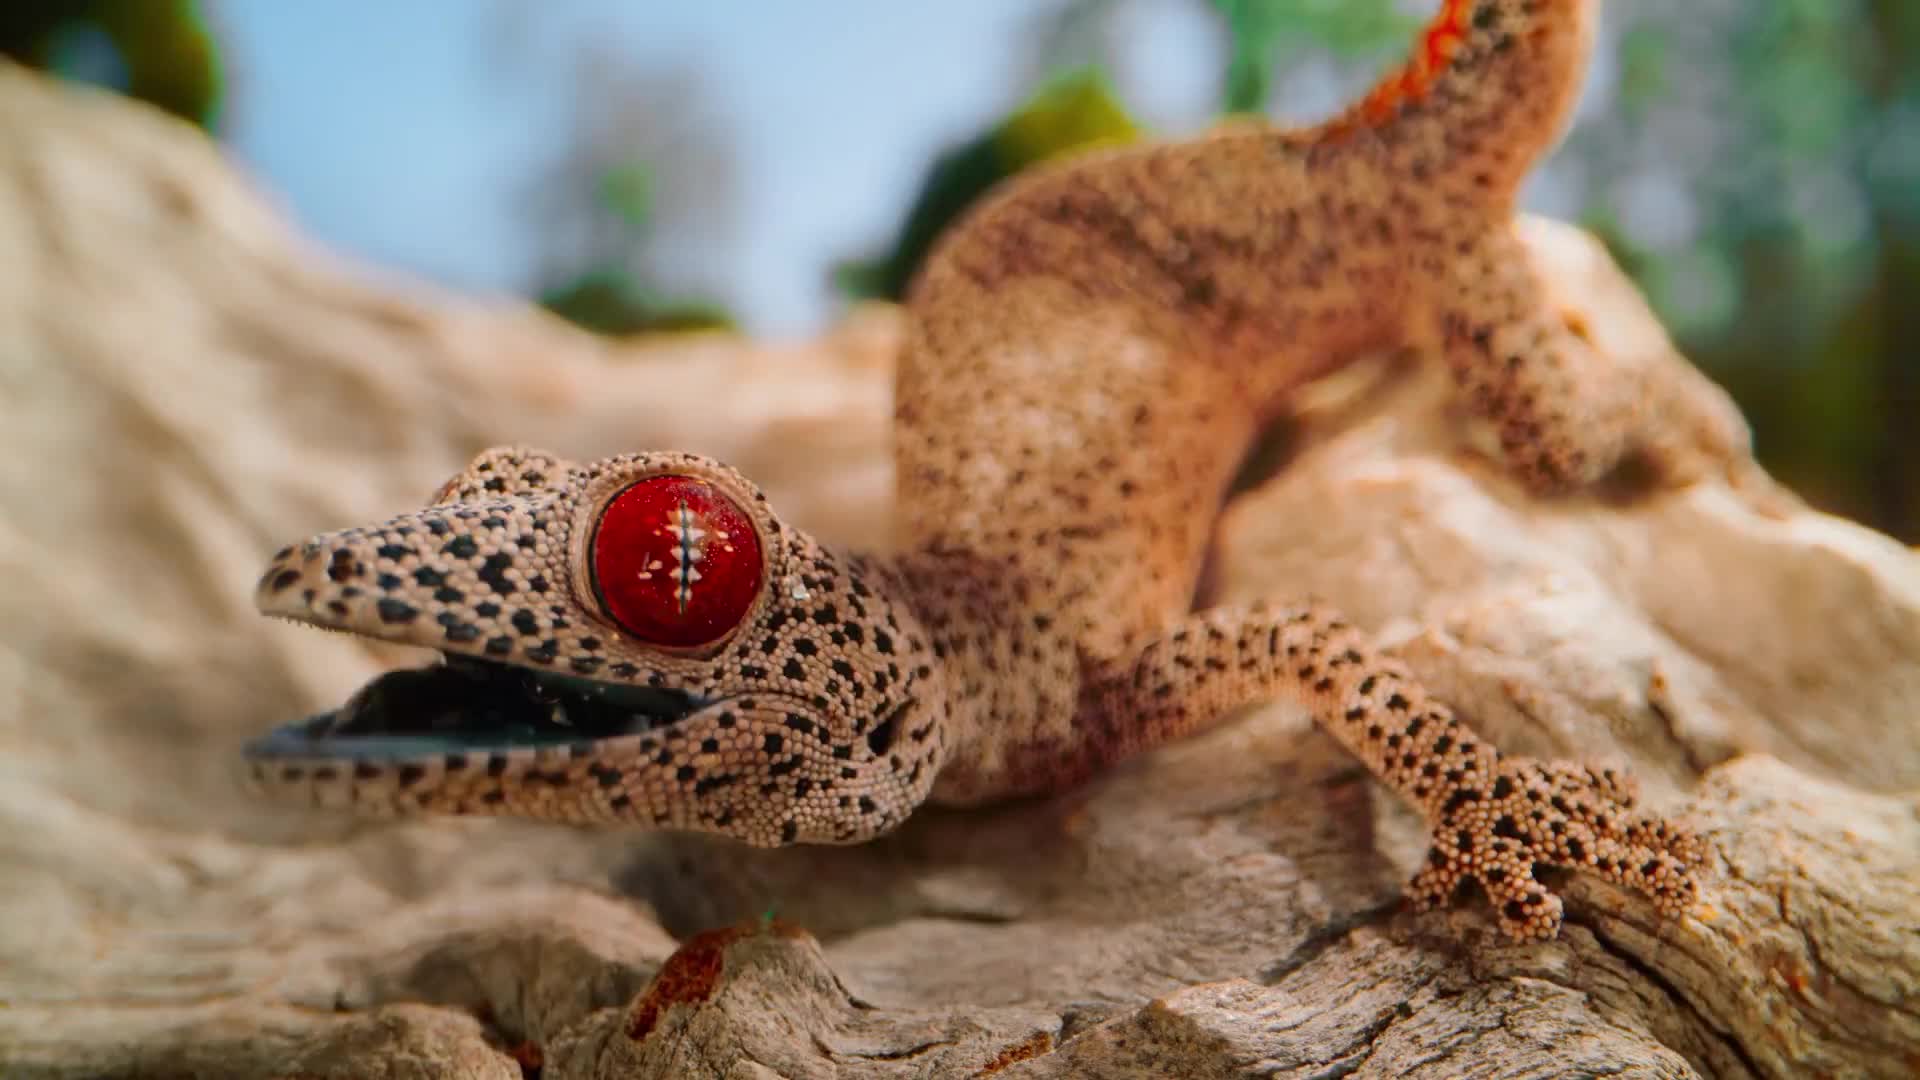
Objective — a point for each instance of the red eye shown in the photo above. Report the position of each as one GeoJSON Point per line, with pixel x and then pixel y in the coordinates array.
{"type": "Point", "coordinates": [675, 562]}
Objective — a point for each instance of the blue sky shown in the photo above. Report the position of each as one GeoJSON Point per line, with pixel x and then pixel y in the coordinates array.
{"type": "Point", "coordinates": [407, 134]}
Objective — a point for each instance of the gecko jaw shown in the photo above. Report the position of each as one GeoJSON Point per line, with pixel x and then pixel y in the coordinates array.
{"type": "Point", "coordinates": [471, 705]}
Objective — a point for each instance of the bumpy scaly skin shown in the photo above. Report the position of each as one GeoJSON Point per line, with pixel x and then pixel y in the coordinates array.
{"type": "Point", "coordinates": [1089, 354]}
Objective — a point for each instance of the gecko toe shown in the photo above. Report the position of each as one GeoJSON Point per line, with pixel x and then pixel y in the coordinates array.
{"type": "Point", "coordinates": [1557, 814]}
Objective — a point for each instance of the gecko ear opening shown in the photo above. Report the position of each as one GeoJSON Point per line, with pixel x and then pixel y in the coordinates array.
{"type": "Point", "coordinates": [675, 561]}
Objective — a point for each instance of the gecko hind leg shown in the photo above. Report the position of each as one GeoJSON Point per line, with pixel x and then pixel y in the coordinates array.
{"type": "Point", "coordinates": [1492, 819]}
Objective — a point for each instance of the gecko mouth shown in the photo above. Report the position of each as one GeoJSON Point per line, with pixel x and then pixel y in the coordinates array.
{"type": "Point", "coordinates": [466, 704]}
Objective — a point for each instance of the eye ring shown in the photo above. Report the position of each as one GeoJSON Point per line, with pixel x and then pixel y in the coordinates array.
{"type": "Point", "coordinates": [676, 562]}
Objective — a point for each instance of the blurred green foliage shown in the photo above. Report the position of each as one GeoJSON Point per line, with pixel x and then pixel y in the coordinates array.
{"type": "Point", "coordinates": [1075, 111]}
{"type": "Point", "coordinates": [156, 50]}
{"type": "Point", "coordinates": [1267, 34]}
{"type": "Point", "coordinates": [612, 300]}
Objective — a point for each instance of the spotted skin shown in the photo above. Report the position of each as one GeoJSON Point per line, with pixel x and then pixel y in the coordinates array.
{"type": "Point", "coordinates": [1089, 355]}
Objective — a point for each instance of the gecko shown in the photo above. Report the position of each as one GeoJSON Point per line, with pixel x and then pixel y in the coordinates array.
{"type": "Point", "coordinates": [1088, 355]}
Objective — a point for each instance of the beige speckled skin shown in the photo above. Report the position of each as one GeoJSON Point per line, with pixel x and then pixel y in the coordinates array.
{"type": "Point", "coordinates": [1090, 354]}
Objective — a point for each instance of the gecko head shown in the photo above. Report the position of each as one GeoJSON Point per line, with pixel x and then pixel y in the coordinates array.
{"type": "Point", "coordinates": [637, 640]}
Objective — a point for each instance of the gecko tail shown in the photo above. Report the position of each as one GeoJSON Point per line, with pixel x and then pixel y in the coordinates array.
{"type": "Point", "coordinates": [1486, 92]}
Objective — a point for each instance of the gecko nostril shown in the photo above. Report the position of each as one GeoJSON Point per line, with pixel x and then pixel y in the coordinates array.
{"type": "Point", "coordinates": [880, 739]}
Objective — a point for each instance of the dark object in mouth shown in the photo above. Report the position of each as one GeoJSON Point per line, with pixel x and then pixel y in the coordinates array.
{"type": "Point", "coordinates": [467, 704]}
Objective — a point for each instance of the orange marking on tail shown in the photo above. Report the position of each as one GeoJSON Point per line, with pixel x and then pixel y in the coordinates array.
{"type": "Point", "coordinates": [1430, 58]}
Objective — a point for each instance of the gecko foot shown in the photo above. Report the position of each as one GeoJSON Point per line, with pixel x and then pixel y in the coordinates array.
{"type": "Point", "coordinates": [1503, 830]}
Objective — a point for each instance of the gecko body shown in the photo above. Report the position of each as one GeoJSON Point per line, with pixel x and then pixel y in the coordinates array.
{"type": "Point", "coordinates": [1089, 353]}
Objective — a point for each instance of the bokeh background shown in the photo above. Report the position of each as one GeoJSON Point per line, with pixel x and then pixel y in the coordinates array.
{"type": "Point", "coordinates": [667, 168]}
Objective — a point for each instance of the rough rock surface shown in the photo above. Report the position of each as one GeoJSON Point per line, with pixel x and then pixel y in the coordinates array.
{"type": "Point", "coordinates": [186, 385]}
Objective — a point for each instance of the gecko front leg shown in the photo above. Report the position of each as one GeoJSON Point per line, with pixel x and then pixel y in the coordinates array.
{"type": "Point", "coordinates": [1492, 819]}
{"type": "Point", "coordinates": [1566, 412]}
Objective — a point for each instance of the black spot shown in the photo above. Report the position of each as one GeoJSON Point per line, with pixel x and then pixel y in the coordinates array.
{"type": "Point", "coordinates": [880, 739]}
{"type": "Point", "coordinates": [486, 609]}
{"type": "Point", "coordinates": [447, 594]}
{"type": "Point", "coordinates": [394, 611]}
{"type": "Point", "coordinates": [391, 551]}
{"type": "Point", "coordinates": [411, 775]}
{"type": "Point", "coordinates": [284, 580]}
{"type": "Point", "coordinates": [789, 831]}
{"type": "Point", "coordinates": [1502, 787]}
{"type": "Point", "coordinates": [341, 566]}
{"type": "Point", "coordinates": [1459, 799]}
{"type": "Point", "coordinates": [774, 743]}
{"type": "Point", "coordinates": [804, 646]}
{"type": "Point", "coordinates": [493, 573]}
{"type": "Point", "coordinates": [524, 621]}
{"type": "Point", "coordinates": [544, 652]}
{"type": "Point", "coordinates": [867, 806]}
{"type": "Point", "coordinates": [462, 547]}
{"type": "Point", "coordinates": [455, 762]}
{"type": "Point", "coordinates": [429, 577]}
{"type": "Point", "coordinates": [365, 770]}
{"type": "Point", "coordinates": [389, 582]}
{"type": "Point", "coordinates": [685, 772]}
{"type": "Point", "coordinates": [1506, 828]}
{"type": "Point", "coordinates": [499, 646]}
{"type": "Point", "coordinates": [793, 670]}
{"type": "Point", "coordinates": [585, 665]}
